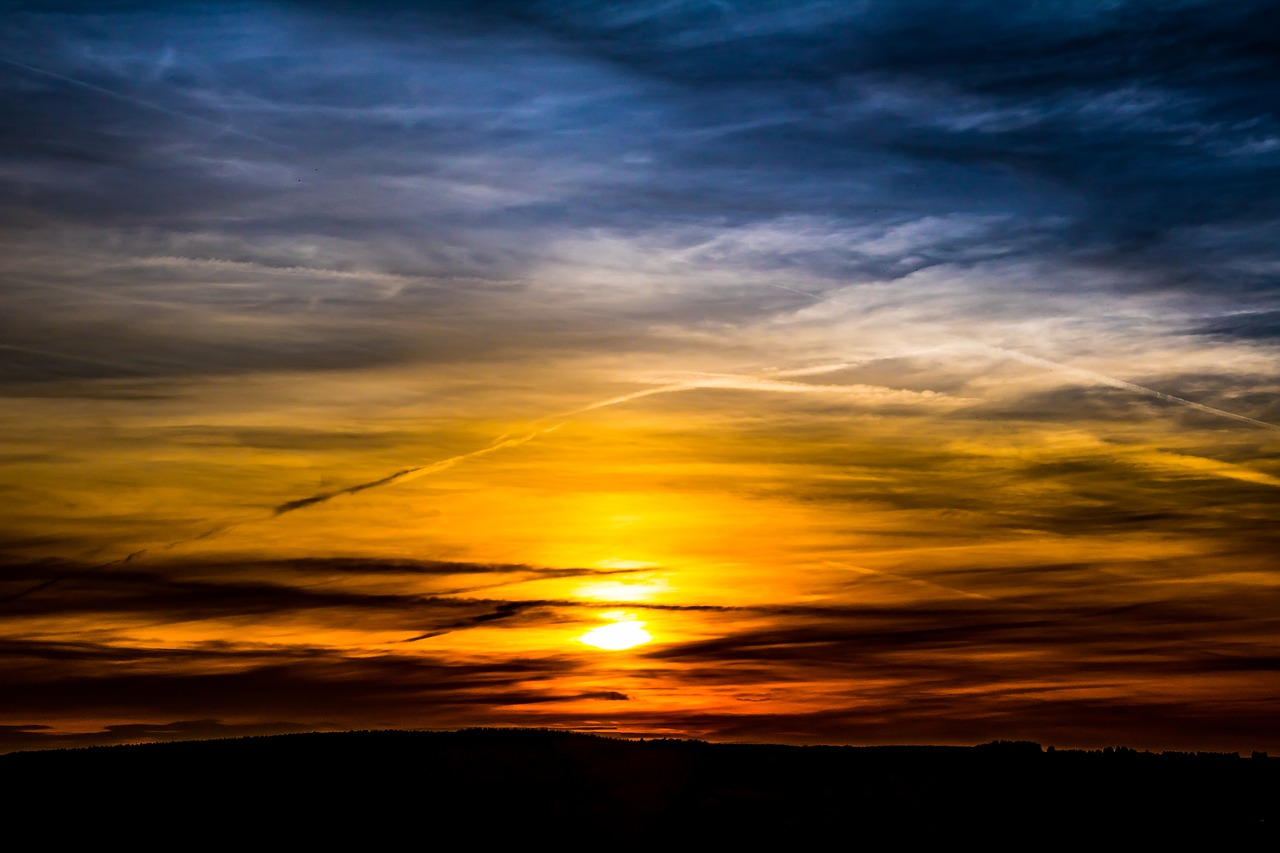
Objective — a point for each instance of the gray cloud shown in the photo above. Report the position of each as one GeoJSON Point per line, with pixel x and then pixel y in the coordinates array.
{"type": "Point", "coordinates": [460, 142]}
{"type": "Point", "coordinates": [190, 590]}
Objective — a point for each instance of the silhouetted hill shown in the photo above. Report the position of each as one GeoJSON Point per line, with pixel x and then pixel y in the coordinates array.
{"type": "Point", "coordinates": [372, 789]}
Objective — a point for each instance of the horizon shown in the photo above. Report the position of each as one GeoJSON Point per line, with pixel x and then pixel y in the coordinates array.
{"type": "Point", "coordinates": [89, 741]}
{"type": "Point", "coordinates": [863, 373]}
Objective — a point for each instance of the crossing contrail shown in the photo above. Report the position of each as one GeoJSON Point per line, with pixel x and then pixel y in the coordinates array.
{"type": "Point", "coordinates": [143, 102]}
{"type": "Point", "coordinates": [1057, 366]}
{"type": "Point", "coordinates": [1104, 379]}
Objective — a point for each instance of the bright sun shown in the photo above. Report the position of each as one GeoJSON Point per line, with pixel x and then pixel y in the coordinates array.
{"type": "Point", "coordinates": [623, 633]}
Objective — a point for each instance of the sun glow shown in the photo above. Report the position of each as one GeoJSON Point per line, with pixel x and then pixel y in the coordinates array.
{"type": "Point", "coordinates": [625, 632]}
{"type": "Point", "coordinates": [622, 591]}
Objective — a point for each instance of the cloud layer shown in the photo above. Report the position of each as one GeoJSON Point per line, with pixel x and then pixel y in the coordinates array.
{"type": "Point", "coordinates": [910, 367]}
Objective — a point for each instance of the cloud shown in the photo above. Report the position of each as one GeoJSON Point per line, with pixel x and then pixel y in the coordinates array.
{"type": "Point", "coordinates": [406, 474]}
{"type": "Point", "coordinates": [323, 594]}
{"type": "Point", "coordinates": [946, 329]}
{"type": "Point", "coordinates": [1263, 325]}
{"type": "Point", "coordinates": [339, 690]}
{"type": "Point", "coordinates": [1028, 639]}
{"type": "Point", "coordinates": [15, 738]}
{"type": "Point", "coordinates": [867, 394]}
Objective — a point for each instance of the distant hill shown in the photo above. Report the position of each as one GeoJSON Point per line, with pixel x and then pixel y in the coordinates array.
{"type": "Point", "coordinates": [481, 786]}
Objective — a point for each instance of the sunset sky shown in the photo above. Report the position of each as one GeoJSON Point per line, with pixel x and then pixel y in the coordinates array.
{"type": "Point", "coordinates": [898, 371]}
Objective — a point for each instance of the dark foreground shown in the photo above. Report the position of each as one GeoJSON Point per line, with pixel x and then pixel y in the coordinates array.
{"type": "Point", "coordinates": [474, 788]}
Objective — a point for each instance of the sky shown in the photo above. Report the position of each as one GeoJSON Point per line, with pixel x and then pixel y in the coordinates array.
{"type": "Point", "coordinates": [881, 371]}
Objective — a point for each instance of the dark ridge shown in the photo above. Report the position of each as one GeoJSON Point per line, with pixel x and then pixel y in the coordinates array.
{"type": "Point", "coordinates": [477, 786]}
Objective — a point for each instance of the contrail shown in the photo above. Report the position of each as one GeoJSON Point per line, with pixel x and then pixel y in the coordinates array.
{"type": "Point", "coordinates": [710, 380]}
{"type": "Point", "coordinates": [1112, 381]}
{"type": "Point", "coordinates": [911, 580]}
{"type": "Point", "coordinates": [98, 362]}
{"type": "Point", "coordinates": [1084, 373]}
{"type": "Point", "coordinates": [407, 473]}
{"type": "Point", "coordinates": [723, 381]}
{"type": "Point", "coordinates": [737, 382]}
{"type": "Point", "coordinates": [302, 503]}
{"type": "Point", "coordinates": [128, 558]}
{"type": "Point", "coordinates": [143, 102]}
{"type": "Point", "coordinates": [634, 395]}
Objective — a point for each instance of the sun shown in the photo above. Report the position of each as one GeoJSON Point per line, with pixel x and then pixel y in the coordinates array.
{"type": "Point", "coordinates": [624, 632]}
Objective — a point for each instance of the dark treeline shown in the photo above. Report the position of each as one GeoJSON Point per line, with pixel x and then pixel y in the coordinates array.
{"type": "Point", "coordinates": [484, 785]}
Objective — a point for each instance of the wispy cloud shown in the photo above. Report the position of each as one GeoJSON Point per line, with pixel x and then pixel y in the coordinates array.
{"type": "Point", "coordinates": [910, 366]}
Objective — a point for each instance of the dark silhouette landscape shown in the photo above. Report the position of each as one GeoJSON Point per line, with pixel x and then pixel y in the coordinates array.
{"type": "Point", "coordinates": [494, 784]}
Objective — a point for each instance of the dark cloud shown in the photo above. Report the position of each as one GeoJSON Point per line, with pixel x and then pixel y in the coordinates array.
{"type": "Point", "coordinates": [940, 667]}
{"type": "Point", "coordinates": [183, 591]}
{"type": "Point", "coordinates": [1264, 325]}
{"type": "Point", "coordinates": [14, 738]}
{"type": "Point", "coordinates": [1061, 720]}
{"type": "Point", "coordinates": [316, 684]}
{"type": "Point", "coordinates": [1132, 119]}
{"type": "Point", "coordinates": [922, 642]}
{"type": "Point", "coordinates": [459, 141]}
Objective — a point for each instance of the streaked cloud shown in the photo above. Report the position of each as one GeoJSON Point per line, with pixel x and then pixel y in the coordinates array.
{"type": "Point", "coordinates": [908, 368]}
